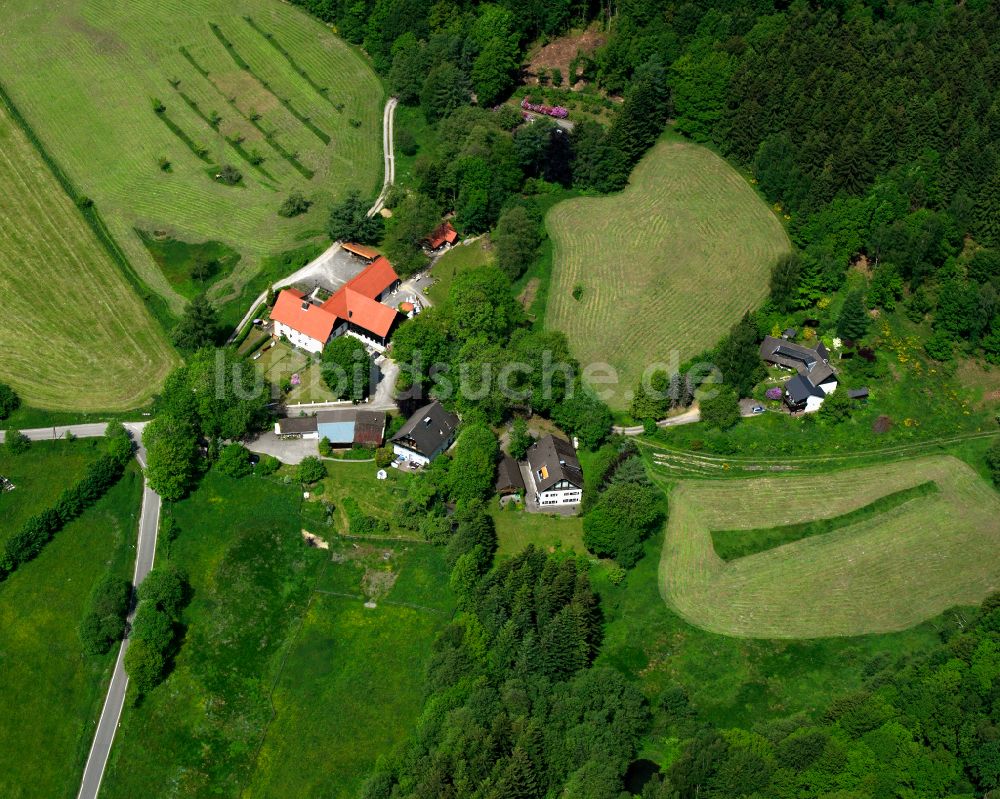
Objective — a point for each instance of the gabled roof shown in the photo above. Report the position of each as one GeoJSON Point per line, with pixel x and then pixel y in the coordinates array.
{"type": "Point", "coordinates": [374, 279]}
{"type": "Point", "coordinates": [553, 459]}
{"type": "Point", "coordinates": [427, 429]}
{"type": "Point", "coordinates": [292, 309]}
{"type": "Point", "coordinates": [297, 424]}
{"type": "Point", "coordinates": [442, 233]}
{"type": "Point", "coordinates": [509, 478]}
{"type": "Point", "coordinates": [799, 389]}
{"type": "Point", "coordinates": [821, 373]}
{"type": "Point", "coordinates": [358, 309]}
{"type": "Point", "coordinates": [361, 250]}
{"type": "Point", "coordinates": [369, 428]}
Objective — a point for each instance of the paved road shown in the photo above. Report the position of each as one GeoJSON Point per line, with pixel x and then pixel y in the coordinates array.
{"type": "Point", "coordinates": [145, 550]}
{"type": "Point", "coordinates": [95, 430]}
{"type": "Point", "coordinates": [388, 121]}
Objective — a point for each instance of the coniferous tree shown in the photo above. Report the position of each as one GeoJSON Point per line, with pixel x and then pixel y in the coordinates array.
{"type": "Point", "coordinates": [853, 320]}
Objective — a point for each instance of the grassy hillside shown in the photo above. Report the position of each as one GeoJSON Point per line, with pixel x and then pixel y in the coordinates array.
{"type": "Point", "coordinates": [666, 266]}
{"type": "Point", "coordinates": [885, 571]}
{"type": "Point", "coordinates": [53, 692]}
{"type": "Point", "coordinates": [75, 335]}
{"type": "Point", "coordinates": [279, 86]}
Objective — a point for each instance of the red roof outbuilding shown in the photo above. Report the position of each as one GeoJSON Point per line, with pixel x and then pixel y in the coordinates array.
{"type": "Point", "coordinates": [443, 234]}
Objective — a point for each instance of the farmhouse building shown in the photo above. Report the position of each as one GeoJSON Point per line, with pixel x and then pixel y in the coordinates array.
{"type": "Point", "coordinates": [355, 308]}
{"type": "Point", "coordinates": [815, 379]}
{"type": "Point", "coordinates": [555, 472]}
{"type": "Point", "coordinates": [443, 234]}
{"type": "Point", "coordinates": [426, 434]}
{"type": "Point", "coordinates": [344, 427]}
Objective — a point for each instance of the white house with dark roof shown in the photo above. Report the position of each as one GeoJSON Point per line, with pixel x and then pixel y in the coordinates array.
{"type": "Point", "coordinates": [815, 380]}
{"type": "Point", "coordinates": [426, 434]}
{"type": "Point", "coordinates": [556, 476]}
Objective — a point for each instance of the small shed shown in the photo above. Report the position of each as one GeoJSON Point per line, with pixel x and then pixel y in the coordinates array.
{"type": "Point", "coordinates": [360, 250]}
{"type": "Point", "coordinates": [789, 333]}
{"type": "Point", "coordinates": [509, 481]}
{"type": "Point", "coordinates": [858, 394]}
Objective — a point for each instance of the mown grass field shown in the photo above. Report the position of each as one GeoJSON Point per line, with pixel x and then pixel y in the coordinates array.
{"type": "Point", "coordinates": [351, 684]}
{"type": "Point", "coordinates": [85, 75]}
{"type": "Point", "coordinates": [516, 529]}
{"type": "Point", "coordinates": [53, 693]}
{"type": "Point", "coordinates": [887, 572]}
{"type": "Point", "coordinates": [75, 334]}
{"type": "Point", "coordinates": [667, 266]}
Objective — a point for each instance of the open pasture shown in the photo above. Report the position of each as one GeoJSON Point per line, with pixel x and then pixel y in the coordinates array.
{"type": "Point", "coordinates": [116, 91]}
{"type": "Point", "coordinates": [666, 266]}
{"type": "Point", "coordinates": [75, 335]}
{"type": "Point", "coordinates": [887, 572]}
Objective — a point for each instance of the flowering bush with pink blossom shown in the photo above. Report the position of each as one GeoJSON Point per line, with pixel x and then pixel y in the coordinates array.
{"type": "Point", "coordinates": [556, 111]}
{"type": "Point", "coordinates": [773, 393]}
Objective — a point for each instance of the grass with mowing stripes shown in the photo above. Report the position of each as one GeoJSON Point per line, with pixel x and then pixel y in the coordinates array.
{"type": "Point", "coordinates": [884, 573]}
{"type": "Point", "coordinates": [75, 336]}
{"type": "Point", "coordinates": [733, 544]}
{"type": "Point", "coordinates": [667, 266]}
{"type": "Point", "coordinates": [53, 692]}
{"type": "Point", "coordinates": [457, 260]}
{"type": "Point", "coordinates": [84, 73]}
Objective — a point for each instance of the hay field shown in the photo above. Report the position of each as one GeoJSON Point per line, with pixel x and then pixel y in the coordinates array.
{"type": "Point", "coordinates": [885, 573]}
{"type": "Point", "coordinates": [85, 74]}
{"type": "Point", "coordinates": [667, 265]}
{"type": "Point", "coordinates": [75, 335]}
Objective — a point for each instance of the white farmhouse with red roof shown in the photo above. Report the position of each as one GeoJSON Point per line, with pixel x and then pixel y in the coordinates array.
{"type": "Point", "coordinates": [355, 308]}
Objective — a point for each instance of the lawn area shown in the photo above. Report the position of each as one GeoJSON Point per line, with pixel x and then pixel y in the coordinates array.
{"type": "Point", "coordinates": [82, 339]}
{"type": "Point", "coordinates": [144, 103]}
{"type": "Point", "coordinates": [251, 575]}
{"type": "Point", "coordinates": [53, 692]}
{"type": "Point", "coordinates": [346, 478]}
{"type": "Point", "coordinates": [283, 361]}
{"type": "Point", "coordinates": [516, 529]}
{"type": "Point", "coordinates": [887, 571]}
{"type": "Point", "coordinates": [459, 258]}
{"type": "Point", "coordinates": [351, 687]}
{"type": "Point", "coordinates": [665, 267]}
{"type": "Point", "coordinates": [40, 474]}
{"type": "Point", "coordinates": [731, 681]}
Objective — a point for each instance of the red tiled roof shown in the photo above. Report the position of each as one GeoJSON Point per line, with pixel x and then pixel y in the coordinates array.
{"type": "Point", "coordinates": [442, 233]}
{"type": "Point", "coordinates": [362, 311]}
{"type": "Point", "coordinates": [312, 320]}
{"type": "Point", "coordinates": [354, 302]}
{"type": "Point", "coordinates": [374, 279]}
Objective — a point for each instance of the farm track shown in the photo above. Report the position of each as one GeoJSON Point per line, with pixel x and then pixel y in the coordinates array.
{"type": "Point", "coordinates": [686, 463]}
{"type": "Point", "coordinates": [883, 573]}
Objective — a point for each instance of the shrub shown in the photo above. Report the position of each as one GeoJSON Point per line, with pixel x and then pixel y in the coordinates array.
{"type": "Point", "coordinates": [164, 163]}
{"type": "Point", "coordinates": [9, 401]}
{"type": "Point", "coordinates": [360, 523]}
{"type": "Point", "coordinates": [620, 521]}
{"type": "Point", "coordinates": [144, 664]}
{"type": "Point", "coordinates": [104, 623]}
{"type": "Point", "coordinates": [311, 470]}
{"type": "Point", "coordinates": [384, 456]}
{"type": "Point", "coordinates": [234, 460]}
{"type": "Point", "coordinates": [721, 411]}
{"type": "Point", "coordinates": [268, 465]}
{"type": "Point", "coordinates": [577, 292]}
{"type": "Point", "coordinates": [16, 442]}
{"type": "Point", "coordinates": [294, 205]}
{"type": "Point", "coordinates": [836, 407]}
{"type": "Point", "coordinates": [158, 106]}
{"type": "Point", "coordinates": [325, 447]}
{"type": "Point", "coordinates": [229, 175]}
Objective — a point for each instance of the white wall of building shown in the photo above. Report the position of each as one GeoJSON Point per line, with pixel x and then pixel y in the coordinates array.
{"type": "Point", "coordinates": [410, 455]}
{"type": "Point", "coordinates": [567, 497]}
{"type": "Point", "coordinates": [297, 339]}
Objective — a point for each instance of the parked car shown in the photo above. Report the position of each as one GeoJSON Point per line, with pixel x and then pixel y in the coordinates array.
{"type": "Point", "coordinates": [757, 409]}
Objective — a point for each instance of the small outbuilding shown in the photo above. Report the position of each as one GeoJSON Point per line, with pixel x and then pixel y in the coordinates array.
{"type": "Point", "coordinates": [860, 394]}
{"type": "Point", "coordinates": [509, 481]}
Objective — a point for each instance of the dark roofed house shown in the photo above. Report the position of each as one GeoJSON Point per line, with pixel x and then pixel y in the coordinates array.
{"type": "Point", "coordinates": [509, 480]}
{"type": "Point", "coordinates": [815, 379]}
{"type": "Point", "coordinates": [426, 434]}
{"type": "Point", "coordinates": [298, 426]}
{"type": "Point", "coordinates": [555, 471]}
